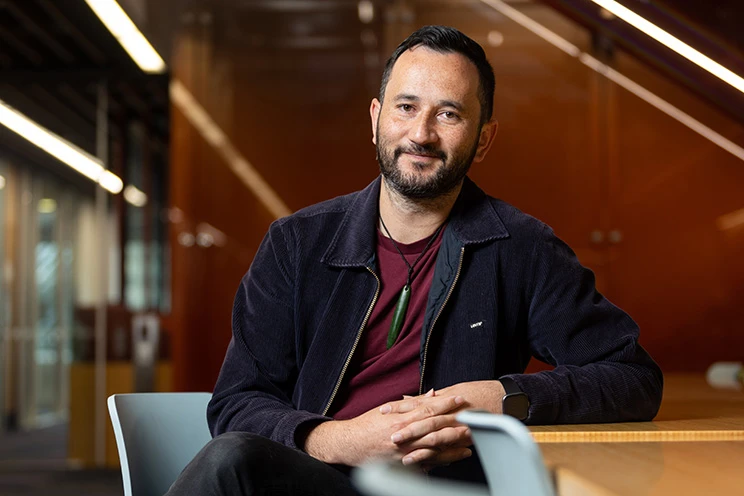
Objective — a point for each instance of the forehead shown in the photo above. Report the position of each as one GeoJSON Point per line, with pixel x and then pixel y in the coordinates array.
{"type": "Point", "coordinates": [425, 73]}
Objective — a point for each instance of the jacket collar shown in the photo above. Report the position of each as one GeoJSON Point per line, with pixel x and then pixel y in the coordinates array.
{"type": "Point", "coordinates": [473, 220]}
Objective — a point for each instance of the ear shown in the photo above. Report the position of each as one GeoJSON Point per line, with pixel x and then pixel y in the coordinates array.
{"type": "Point", "coordinates": [487, 134]}
{"type": "Point", "coordinates": [374, 114]}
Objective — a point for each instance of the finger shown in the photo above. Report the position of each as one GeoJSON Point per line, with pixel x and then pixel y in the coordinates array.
{"type": "Point", "coordinates": [429, 405]}
{"type": "Point", "coordinates": [436, 457]}
{"type": "Point", "coordinates": [448, 437]}
{"type": "Point", "coordinates": [429, 393]}
{"type": "Point", "coordinates": [420, 428]}
{"type": "Point", "coordinates": [405, 405]}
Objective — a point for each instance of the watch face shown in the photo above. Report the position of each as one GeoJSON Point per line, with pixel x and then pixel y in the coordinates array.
{"type": "Point", "coordinates": [516, 405]}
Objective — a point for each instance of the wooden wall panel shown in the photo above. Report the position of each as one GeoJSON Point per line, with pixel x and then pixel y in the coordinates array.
{"type": "Point", "coordinates": [204, 190]}
{"type": "Point", "coordinates": [676, 270]}
{"type": "Point", "coordinates": [573, 150]}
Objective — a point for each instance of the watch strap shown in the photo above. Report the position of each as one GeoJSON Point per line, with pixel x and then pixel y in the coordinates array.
{"type": "Point", "coordinates": [515, 401]}
{"type": "Point", "coordinates": [510, 387]}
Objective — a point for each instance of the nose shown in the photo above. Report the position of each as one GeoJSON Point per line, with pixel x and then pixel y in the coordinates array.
{"type": "Point", "coordinates": [423, 131]}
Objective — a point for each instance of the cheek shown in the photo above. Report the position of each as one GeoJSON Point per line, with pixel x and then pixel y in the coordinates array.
{"type": "Point", "coordinates": [387, 134]}
{"type": "Point", "coordinates": [458, 141]}
{"type": "Point", "coordinates": [391, 124]}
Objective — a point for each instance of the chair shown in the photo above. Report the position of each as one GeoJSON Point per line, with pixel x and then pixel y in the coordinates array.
{"type": "Point", "coordinates": [511, 460]}
{"type": "Point", "coordinates": [510, 457]}
{"type": "Point", "coordinates": [157, 435]}
{"type": "Point", "coordinates": [394, 479]}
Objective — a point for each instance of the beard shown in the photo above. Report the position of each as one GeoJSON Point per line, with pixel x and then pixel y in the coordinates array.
{"type": "Point", "coordinates": [447, 176]}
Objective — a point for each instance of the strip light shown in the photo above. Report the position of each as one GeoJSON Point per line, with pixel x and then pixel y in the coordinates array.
{"type": "Point", "coordinates": [623, 81]}
{"type": "Point", "coordinates": [672, 43]}
{"type": "Point", "coordinates": [63, 150]}
{"type": "Point", "coordinates": [131, 38]}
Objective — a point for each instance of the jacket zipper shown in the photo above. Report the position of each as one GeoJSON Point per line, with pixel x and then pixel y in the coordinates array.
{"type": "Point", "coordinates": [356, 342]}
{"type": "Point", "coordinates": [431, 329]}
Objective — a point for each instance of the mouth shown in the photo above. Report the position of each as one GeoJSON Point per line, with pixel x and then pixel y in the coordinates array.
{"type": "Point", "coordinates": [423, 155]}
{"type": "Point", "coordinates": [419, 156]}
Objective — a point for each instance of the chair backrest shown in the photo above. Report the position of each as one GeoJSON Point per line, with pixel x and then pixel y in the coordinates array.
{"type": "Point", "coordinates": [157, 435]}
{"type": "Point", "coordinates": [510, 457]}
{"type": "Point", "coordinates": [394, 479]}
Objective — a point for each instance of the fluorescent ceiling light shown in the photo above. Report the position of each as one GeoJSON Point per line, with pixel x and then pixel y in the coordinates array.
{"type": "Point", "coordinates": [63, 150]}
{"type": "Point", "coordinates": [672, 43]}
{"type": "Point", "coordinates": [135, 196]}
{"type": "Point", "coordinates": [131, 38]}
{"type": "Point", "coordinates": [110, 181]}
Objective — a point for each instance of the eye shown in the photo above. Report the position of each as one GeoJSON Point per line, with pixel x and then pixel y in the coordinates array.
{"type": "Point", "coordinates": [450, 116]}
{"type": "Point", "coordinates": [405, 107]}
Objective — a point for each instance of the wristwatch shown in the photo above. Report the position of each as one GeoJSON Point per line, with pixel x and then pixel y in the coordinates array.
{"type": "Point", "coordinates": [515, 402]}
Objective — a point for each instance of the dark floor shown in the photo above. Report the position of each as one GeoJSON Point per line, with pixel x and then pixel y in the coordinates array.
{"type": "Point", "coordinates": [35, 464]}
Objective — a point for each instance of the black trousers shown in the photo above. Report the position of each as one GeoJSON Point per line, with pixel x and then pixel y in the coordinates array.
{"type": "Point", "coordinates": [244, 464]}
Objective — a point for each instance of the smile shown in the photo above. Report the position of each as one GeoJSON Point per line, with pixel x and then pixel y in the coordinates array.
{"type": "Point", "coordinates": [422, 157]}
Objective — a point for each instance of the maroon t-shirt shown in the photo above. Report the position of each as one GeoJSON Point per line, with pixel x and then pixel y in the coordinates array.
{"type": "Point", "coordinates": [377, 375]}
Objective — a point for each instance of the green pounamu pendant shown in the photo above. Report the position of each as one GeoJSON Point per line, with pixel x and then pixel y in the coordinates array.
{"type": "Point", "coordinates": [399, 316]}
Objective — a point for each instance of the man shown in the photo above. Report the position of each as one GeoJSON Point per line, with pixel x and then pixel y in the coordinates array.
{"type": "Point", "coordinates": [366, 322]}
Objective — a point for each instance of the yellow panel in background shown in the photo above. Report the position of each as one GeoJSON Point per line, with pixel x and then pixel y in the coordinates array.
{"type": "Point", "coordinates": [119, 379]}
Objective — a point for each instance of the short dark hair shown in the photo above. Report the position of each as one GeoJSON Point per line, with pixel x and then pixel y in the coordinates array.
{"type": "Point", "coordinates": [445, 39]}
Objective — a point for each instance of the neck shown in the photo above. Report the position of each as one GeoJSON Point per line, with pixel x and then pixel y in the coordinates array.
{"type": "Point", "coordinates": [412, 220]}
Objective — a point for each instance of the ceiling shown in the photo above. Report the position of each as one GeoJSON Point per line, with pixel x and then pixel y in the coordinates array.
{"type": "Point", "coordinates": [54, 55]}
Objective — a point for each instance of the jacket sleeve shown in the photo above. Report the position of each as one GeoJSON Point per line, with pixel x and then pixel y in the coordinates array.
{"type": "Point", "coordinates": [254, 389]}
{"type": "Point", "coordinates": [601, 373]}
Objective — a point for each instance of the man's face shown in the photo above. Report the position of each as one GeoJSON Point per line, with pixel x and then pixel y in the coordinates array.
{"type": "Point", "coordinates": [428, 130]}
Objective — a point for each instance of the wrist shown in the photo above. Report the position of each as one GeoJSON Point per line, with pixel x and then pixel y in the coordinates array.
{"type": "Point", "coordinates": [324, 441]}
{"type": "Point", "coordinates": [496, 405]}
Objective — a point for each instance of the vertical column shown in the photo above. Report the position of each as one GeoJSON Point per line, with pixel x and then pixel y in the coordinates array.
{"type": "Point", "coordinates": [25, 329]}
{"type": "Point", "coordinates": [102, 280]}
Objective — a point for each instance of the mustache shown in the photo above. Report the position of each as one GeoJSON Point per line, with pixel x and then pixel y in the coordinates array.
{"type": "Point", "coordinates": [416, 149]}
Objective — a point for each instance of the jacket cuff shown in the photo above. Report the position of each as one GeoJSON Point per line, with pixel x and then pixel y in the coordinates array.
{"type": "Point", "coordinates": [544, 404]}
{"type": "Point", "coordinates": [295, 426]}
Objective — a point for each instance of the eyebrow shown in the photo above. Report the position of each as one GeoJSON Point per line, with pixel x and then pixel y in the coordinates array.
{"type": "Point", "coordinates": [407, 97]}
{"type": "Point", "coordinates": [441, 103]}
{"type": "Point", "coordinates": [450, 103]}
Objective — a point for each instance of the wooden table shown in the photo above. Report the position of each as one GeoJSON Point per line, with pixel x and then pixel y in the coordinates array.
{"type": "Point", "coordinates": [694, 446]}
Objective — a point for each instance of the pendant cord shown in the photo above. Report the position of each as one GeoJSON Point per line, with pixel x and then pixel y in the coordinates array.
{"type": "Point", "coordinates": [411, 266]}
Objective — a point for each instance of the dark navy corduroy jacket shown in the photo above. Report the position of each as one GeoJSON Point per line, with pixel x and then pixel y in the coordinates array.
{"type": "Point", "coordinates": [505, 288]}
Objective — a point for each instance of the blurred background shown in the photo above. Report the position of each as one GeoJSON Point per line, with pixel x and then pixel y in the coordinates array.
{"type": "Point", "coordinates": [146, 146]}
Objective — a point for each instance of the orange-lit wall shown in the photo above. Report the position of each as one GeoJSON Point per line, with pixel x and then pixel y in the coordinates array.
{"type": "Point", "coordinates": [574, 150]}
